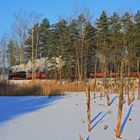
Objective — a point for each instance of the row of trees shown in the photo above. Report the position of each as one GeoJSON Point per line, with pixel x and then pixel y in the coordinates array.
{"type": "Point", "coordinates": [83, 46]}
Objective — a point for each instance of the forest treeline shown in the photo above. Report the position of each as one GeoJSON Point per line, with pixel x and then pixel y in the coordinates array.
{"type": "Point", "coordinates": [84, 46]}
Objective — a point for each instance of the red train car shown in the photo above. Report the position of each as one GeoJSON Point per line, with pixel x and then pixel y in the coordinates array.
{"type": "Point", "coordinates": [114, 74]}
{"type": "Point", "coordinates": [37, 75]}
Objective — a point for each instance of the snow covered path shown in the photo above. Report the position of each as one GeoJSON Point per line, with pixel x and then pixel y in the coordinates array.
{"type": "Point", "coordinates": [64, 118]}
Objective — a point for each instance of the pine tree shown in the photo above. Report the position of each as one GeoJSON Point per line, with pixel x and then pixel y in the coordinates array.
{"type": "Point", "coordinates": [44, 44]}
{"type": "Point", "coordinates": [59, 44]}
{"type": "Point", "coordinates": [103, 32]}
{"type": "Point", "coordinates": [103, 40]}
{"type": "Point", "coordinates": [128, 39]}
{"type": "Point", "coordinates": [116, 41]}
{"type": "Point", "coordinates": [90, 48]}
{"type": "Point", "coordinates": [137, 38]}
{"type": "Point", "coordinates": [77, 35]}
{"type": "Point", "coordinates": [137, 46]}
{"type": "Point", "coordinates": [11, 53]}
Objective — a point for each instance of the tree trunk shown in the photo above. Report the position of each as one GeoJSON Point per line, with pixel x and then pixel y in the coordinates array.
{"type": "Point", "coordinates": [88, 107]}
{"type": "Point", "coordinates": [36, 51]}
{"type": "Point", "coordinates": [20, 48]}
{"type": "Point", "coordinates": [106, 90]}
{"type": "Point", "coordinates": [139, 90]}
{"type": "Point", "coordinates": [95, 79]}
{"type": "Point", "coordinates": [120, 107]}
{"type": "Point", "coordinates": [81, 137]}
{"type": "Point", "coordinates": [20, 54]}
{"type": "Point", "coordinates": [78, 63]}
{"type": "Point", "coordinates": [3, 59]}
{"type": "Point", "coordinates": [32, 54]}
{"type": "Point", "coordinates": [138, 67]}
{"type": "Point", "coordinates": [131, 95]}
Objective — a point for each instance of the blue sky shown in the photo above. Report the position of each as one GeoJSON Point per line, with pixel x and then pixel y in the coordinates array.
{"type": "Point", "coordinates": [52, 9]}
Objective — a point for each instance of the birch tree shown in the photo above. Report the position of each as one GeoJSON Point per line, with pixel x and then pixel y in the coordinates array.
{"type": "Point", "coordinates": [20, 28]}
{"type": "Point", "coordinates": [3, 44]}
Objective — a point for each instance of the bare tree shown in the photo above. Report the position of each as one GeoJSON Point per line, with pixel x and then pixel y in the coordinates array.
{"type": "Point", "coordinates": [3, 56]}
{"type": "Point", "coordinates": [120, 107]}
{"type": "Point", "coordinates": [88, 108]}
{"type": "Point", "coordinates": [138, 67]}
{"type": "Point", "coordinates": [20, 28]}
{"type": "Point", "coordinates": [81, 138]}
{"type": "Point", "coordinates": [34, 19]}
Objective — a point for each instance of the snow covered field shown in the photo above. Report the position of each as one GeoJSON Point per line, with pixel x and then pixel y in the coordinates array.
{"type": "Point", "coordinates": [65, 117]}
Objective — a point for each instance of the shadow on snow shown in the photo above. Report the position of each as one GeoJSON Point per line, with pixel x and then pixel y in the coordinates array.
{"type": "Point", "coordinates": [113, 100]}
{"type": "Point", "coordinates": [11, 107]}
{"type": "Point", "coordinates": [96, 117]}
{"type": "Point", "coordinates": [126, 118]}
{"type": "Point", "coordinates": [99, 120]}
{"type": "Point", "coordinates": [87, 138]}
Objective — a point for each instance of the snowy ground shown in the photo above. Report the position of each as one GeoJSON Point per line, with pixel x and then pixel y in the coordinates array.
{"type": "Point", "coordinates": [64, 118]}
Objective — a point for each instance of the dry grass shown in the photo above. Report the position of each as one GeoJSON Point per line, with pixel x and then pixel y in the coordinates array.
{"type": "Point", "coordinates": [54, 87]}
{"type": "Point", "coordinates": [49, 88]}
{"type": "Point", "coordinates": [39, 88]}
{"type": "Point", "coordinates": [7, 89]}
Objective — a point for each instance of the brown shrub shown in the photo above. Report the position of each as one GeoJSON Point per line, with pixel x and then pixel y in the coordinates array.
{"type": "Point", "coordinates": [46, 88]}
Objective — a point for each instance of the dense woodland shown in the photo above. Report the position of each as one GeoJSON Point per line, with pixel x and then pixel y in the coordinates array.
{"type": "Point", "coordinates": [84, 46]}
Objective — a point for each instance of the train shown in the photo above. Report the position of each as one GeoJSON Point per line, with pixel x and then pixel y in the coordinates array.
{"type": "Point", "coordinates": [23, 75]}
{"type": "Point", "coordinates": [113, 74]}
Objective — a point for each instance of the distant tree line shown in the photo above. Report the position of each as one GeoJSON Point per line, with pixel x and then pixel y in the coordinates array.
{"type": "Point", "coordinates": [83, 46]}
